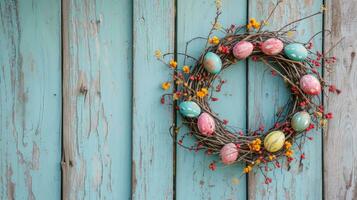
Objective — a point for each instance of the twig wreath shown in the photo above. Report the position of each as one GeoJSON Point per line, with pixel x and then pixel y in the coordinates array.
{"type": "Point", "coordinates": [293, 61]}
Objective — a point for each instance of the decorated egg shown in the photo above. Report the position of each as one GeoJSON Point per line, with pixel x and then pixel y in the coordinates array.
{"type": "Point", "coordinates": [296, 51]}
{"type": "Point", "coordinates": [272, 46]}
{"type": "Point", "coordinates": [229, 153]}
{"type": "Point", "coordinates": [300, 121]}
{"type": "Point", "coordinates": [242, 49]}
{"type": "Point", "coordinates": [206, 124]}
{"type": "Point", "coordinates": [212, 63]}
{"type": "Point", "coordinates": [274, 141]}
{"type": "Point", "coordinates": [189, 109]}
{"type": "Point", "coordinates": [310, 84]}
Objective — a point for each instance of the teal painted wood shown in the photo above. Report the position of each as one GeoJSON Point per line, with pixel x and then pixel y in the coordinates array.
{"type": "Point", "coordinates": [97, 98]}
{"type": "Point", "coordinates": [30, 99]}
{"type": "Point", "coordinates": [194, 180]}
{"type": "Point", "coordinates": [267, 94]}
{"type": "Point", "coordinates": [154, 24]}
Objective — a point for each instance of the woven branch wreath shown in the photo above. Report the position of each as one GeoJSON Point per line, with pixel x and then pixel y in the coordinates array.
{"type": "Point", "coordinates": [294, 62]}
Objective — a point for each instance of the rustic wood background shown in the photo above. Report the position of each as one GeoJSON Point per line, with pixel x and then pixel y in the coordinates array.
{"type": "Point", "coordinates": [80, 112]}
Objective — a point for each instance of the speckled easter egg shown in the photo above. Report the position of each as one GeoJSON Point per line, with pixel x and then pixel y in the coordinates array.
{"type": "Point", "coordinates": [206, 124]}
{"type": "Point", "coordinates": [310, 84]}
{"type": "Point", "coordinates": [295, 51]}
{"type": "Point", "coordinates": [229, 153]}
{"type": "Point", "coordinates": [274, 141]}
{"type": "Point", "coordinates": [189, 109]}
{"type": "Point", "coordinates": [300, 121]}
{"type": "Point", "coordinates": [272, 46]}
{"type": "Point", "coordinates": [212, 63]}
{"type": "Point", "coordinates": [242, 49]}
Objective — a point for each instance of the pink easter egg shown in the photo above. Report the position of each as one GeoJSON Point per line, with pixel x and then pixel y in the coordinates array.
{"type": "Point", "coordinates": [242, 49]}
{"type": "Point", "coordinates": [272, 46]}
{"type": "Point", "coordinates": [229, 153]}
{"type": "Point", "coordinates": [310, 84]}
{"type": "Point", "coordinates": [206, 124]}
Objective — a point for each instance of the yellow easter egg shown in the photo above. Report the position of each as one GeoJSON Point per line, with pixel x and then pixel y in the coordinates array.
{"type": "Point", "coordinates": [274, 141]}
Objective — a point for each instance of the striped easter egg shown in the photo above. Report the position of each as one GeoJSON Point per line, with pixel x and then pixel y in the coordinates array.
{"type": "Point", "coordinates": [274, 141]}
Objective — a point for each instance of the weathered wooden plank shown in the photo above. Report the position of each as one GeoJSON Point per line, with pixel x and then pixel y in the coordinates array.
{"type": "Point", "coordinates": [339, 140]}
{"type": "Point", "coordinates": [154, 26]}
{"type": "Point", "coordinates": [267, 94]}
{"type": "Point", "coordinates": [97, 42]}
{"type": "Point", "coordinates": [30, 99]}
{"type": "Point", "coordinates": [194, 180]}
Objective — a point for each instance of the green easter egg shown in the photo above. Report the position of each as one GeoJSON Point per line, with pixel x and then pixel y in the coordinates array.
{"type": "Point", "coordinates": [300, 121]}
{"type": "Point", "coordinates": [212, 63]}
{"type": "Point", "coordinates": [296, 51]}
{"type": "Point", "coordinates": [189, 109]}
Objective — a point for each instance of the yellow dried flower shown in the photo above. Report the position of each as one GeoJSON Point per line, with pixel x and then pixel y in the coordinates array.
{"type": "Point", "coordinates": [289, 153]}
{"type": "Point", "coordinates": [166, 85]}
{"type": "Point", "coordinates": [287, 145]}
{"type": "Point", "coordinates": [253, 23]}
{"type": "Point", "coordinates": [318, 114]}
{"type": "Point", "coordinates": [323, 8]}
{"type": "Point", "coordinates": [247, 169]}
{"type": "Point", "coordinates": [186, 69]}
{"type": "Point", "coordinates": [204, 90]}
{"type": "Point", "coordinates": [158, 54]}
{"type": "Point", "coordinates": [255, 145]}
{"type": "Point", "coordinates": [256, 25]}
{"type": "Point", "coordinates": [214, 40]}
{"type": "Point", "coordinates": [252, 20]}
{"type": "Point", "coordinates": [324, 123]}
{"type": "Point", "coordinates": [249, 26]}
{"type": "Point", "coordinates": [272, 157]}
{"type": "Point", "coordinates": [176, 96]}
{"type": "Point", "coordinates": [202, 93]}
{"type": "Point", "coordinates": [173, 63]}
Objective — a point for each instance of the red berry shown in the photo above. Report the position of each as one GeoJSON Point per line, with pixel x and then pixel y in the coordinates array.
{"type": "Point", "coordinates": [302, 156]}
{"type": "Point", "coordinates": [212, 166]}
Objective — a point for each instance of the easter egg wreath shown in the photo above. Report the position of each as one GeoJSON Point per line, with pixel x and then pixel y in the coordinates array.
{"type": "Point", "coordinates": [293, 61]}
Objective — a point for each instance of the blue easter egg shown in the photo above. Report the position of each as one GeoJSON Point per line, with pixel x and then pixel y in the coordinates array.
{"type": "Point", "coordinates": [296, 51]}
{"type": "Point", "coordinates": [212, 63]}
{"type": "Point", "coordinates": [300, 121]}
{"type": "Point", "coordinates": [189, 109]}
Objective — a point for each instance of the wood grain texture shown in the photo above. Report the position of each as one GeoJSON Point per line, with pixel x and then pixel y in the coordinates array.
{"type": "Point", "coordinates": [340, 139]}
{"type": "Point", "coordinates": [194, 180]}
{"type": "Point", "coordinates": [267, 94]}
{"type": "Point", "coordinates": [152, 173]}
{"type": "Point", "coordinates": [97, 45]}
{"type": "Point", "coordinates": [30, 99]}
